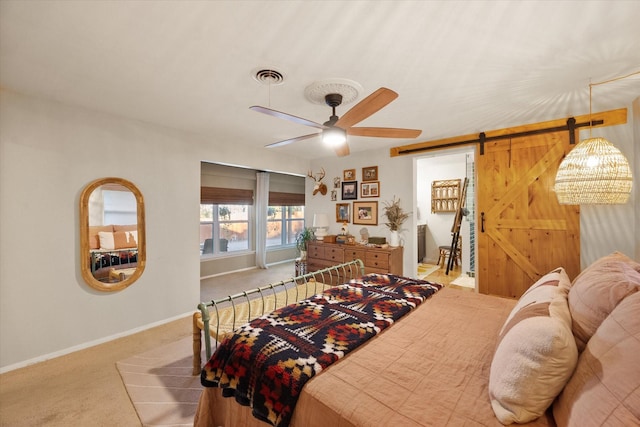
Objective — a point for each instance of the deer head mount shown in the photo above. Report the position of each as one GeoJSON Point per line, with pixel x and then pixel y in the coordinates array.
{"type": "Point", "coordinates": [319, 186]}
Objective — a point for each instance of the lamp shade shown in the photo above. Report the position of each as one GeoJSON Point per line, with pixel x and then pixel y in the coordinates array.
{"type": "Point", "coordinates": [320, 223]}
{"type": "Point", "coordinates": [320, 220]}
{"type": "Point", "coordinates": [594, 172]}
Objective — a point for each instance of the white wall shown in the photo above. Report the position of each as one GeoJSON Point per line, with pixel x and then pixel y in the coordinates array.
{"type": "Point", "coordinates": [48, 153]}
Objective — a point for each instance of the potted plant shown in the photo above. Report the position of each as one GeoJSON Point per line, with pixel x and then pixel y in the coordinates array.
{"type": "Point", "coordinates": [396, 216]}
{"type": "Point", "coordinates": [302, 238]}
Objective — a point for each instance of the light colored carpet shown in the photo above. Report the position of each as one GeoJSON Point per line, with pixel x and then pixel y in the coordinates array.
{"type": "Point", "coordinates": [465, 281]}
{"type": "Point", "coordinates": [426, 269]}
{"type": "Point", "coordinates": [160, 384]}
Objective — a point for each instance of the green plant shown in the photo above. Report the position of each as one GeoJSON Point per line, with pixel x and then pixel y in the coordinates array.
{"type": "Point", "coordinates": [395, 215]}
{"type": "Point", "coordinates": [303, 237]}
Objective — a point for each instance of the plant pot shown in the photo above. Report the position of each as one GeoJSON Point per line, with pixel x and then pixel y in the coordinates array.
{"type": "Point", "coordinates": [303, 255]}
{"type": "Point", "coordinates": [394, 239]}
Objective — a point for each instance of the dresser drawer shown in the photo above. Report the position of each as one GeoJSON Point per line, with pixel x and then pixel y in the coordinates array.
{"type": "Point", "coordinates": [353, 254]}
{"type": "Point", "coordinates": [377, 260]}
{"type": "Point", "coordinates": [315, 251]}
{"type": "Point", "coordinates": [334, 254]}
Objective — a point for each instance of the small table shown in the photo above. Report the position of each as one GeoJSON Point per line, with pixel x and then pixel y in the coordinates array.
{"type": "Point", "coordinates": [301, 266]}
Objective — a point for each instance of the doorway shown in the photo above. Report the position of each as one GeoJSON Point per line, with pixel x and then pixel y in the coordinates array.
{"type": "Point", "coordinates": [436, 226]}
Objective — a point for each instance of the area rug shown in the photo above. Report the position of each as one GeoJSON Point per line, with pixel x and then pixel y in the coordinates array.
{"type": "Point", "coordinates": [426, 269]}
{"type": "Point", "coordinates": [465, 281]}
{"type": "Point", "coordinates": [160, 384]}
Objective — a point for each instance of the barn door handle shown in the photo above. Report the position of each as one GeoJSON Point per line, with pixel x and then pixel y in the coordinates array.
{"type": "Point", "coordinates": [482, 222]}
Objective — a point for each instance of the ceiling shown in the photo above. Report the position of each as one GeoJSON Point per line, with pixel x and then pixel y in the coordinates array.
{"type": "Point", "coordinates": [459, 67]}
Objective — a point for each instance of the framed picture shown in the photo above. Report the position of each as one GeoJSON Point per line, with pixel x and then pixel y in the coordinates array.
{"type": "Point", "coordinates": [336, 182]}
{"type": "Point", "coordinates": [370, 189]}
{"type": "Point", "coordinates": [343, 212]}
{"type": "Point", "coordinates": [334, 195]}
{"type": "Point", "coordinates": [349, 190]}
{"type": "Point", "coordinates": [349, 174]}
{"type": "Point", "coordinates": [365, 213]}
{"type": "Point", "coordinates": [370, 173]}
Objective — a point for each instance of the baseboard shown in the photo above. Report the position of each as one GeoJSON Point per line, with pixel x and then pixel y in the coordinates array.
{"type": "Point", "coordinates": [83, 346]}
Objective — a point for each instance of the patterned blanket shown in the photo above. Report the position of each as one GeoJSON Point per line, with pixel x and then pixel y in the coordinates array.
{"type": "Point", "coordinates": [266, 362]}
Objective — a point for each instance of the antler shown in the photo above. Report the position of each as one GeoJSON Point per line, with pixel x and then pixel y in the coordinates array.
{"type": "Point", "coordinates": [322, 173]}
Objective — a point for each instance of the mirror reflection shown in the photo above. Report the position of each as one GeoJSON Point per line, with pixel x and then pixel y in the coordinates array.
{"type": "Point", "coordinates": [112, 233]}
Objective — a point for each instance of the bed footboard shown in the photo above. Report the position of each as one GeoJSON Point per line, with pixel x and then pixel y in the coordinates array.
{"type": "Point", "coordinates": [224, 315]}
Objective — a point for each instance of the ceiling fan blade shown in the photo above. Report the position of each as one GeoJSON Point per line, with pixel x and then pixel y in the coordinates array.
{"type": "Point", "coordinates": [290, 117]}
{"type": "Point", "coordinates": [342, 150]}
{"type": "Point", "coordinates": [366, 107]}
{"type": "Point", "coordinates": [289, 141]}
{"type": "Point", "coordinates": [385, 132]}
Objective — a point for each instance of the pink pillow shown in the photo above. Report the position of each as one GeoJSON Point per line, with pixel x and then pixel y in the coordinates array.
{"type": "Point", "coordinates": [598, 290]}
{"type": "Point", "coordinates": [605, 388]}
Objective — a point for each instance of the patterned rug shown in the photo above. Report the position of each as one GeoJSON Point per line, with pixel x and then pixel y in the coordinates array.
{"type": "Point", "coordinates": [160, 384]}
{"type": "Point", "coordinates": [426, 269]}
{"type": "Point", "coordinates": [465, 281]}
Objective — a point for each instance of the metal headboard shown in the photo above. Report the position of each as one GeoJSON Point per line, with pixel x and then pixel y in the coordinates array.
{"type": "Point", "coordinates": [325, 277]}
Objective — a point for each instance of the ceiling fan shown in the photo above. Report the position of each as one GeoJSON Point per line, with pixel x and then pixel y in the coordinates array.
{"type": "Point", "coordinates": [336, 129]}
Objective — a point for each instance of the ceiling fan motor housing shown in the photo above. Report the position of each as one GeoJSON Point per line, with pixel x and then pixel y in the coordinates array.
{"type": "Point", "coordinates": [333, 99]}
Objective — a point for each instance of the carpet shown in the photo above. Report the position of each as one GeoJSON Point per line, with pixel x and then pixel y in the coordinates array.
{"type": "Point", "coordinates": [426, 269]}
{"type": "Point", "coordinates": [465, 281]}
{"type": "Point", "coordinates": [160, 384]}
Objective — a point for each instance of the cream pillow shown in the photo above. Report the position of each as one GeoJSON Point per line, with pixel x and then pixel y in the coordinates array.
{"type": "Point", "coordinates": [536, 352]}
{"type": "Point", "coordinates": [106, 240]}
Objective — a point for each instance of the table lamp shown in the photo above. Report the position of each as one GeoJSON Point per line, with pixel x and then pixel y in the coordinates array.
{"type": "Point", "coordinates": [321, 224]}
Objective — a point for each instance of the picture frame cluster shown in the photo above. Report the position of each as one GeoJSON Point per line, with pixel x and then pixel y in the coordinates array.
{"type": "Point", "coordinates": [362, 212]}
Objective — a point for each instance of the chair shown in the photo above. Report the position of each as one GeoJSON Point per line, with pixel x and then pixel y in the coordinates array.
{"type": "Point", "coordinates": [208, 246]}
{"type": "Point", "coordinates": [446, 251]}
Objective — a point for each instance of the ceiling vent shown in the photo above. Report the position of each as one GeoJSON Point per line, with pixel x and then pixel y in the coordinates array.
{"type": "Point", "coordinates": [268, 76]}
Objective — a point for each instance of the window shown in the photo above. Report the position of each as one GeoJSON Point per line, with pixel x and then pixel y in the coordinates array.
{"type": "Point", "coordinates": [283, 224]}
{"type": "Point", "coordinates": [224, 228]}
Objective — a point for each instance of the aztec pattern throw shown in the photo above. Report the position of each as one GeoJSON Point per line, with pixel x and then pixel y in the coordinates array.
{"type": "Point", "coordinates": [266, 362]}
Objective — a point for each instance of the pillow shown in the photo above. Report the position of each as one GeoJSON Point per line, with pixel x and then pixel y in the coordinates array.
{"type": "Point", "coordinates": [94, 238]}
{"type": "Point", "coordinates": [536, 352]}
{"type": "Point", "coordinates": [106, 240]}
{"type": "Point", "coordinates": [605, 388]}
{"type": "Point", "coordinates": [598, 290]}
{"type": "Point", "coordinates": [125, 239]}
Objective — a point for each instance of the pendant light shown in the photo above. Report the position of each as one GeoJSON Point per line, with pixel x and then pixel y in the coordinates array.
{"type": "Point", "coordinates": [594, 172]}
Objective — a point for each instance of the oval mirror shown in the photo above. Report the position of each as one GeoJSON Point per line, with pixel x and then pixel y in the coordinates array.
{"type": "Point", "coordinates": [112, 234]}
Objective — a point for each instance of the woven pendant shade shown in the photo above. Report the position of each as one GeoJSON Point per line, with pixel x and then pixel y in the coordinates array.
{"type": "Point", "coordinates": [594, 172]}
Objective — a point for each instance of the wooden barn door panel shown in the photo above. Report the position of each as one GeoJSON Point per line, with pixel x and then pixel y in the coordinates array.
{"type": "Point", "coordinates": [523, 231]}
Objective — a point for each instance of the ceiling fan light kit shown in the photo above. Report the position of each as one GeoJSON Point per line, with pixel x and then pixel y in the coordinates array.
{"type": "Point", "coordinates": [334, 136]}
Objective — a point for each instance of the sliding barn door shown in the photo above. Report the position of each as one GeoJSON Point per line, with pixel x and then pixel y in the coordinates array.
{"type": "Point", "coordinates": [523, 232]}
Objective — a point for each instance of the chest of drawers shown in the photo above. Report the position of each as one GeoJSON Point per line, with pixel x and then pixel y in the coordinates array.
{"type": "Point", "coordinates": [376, 260]}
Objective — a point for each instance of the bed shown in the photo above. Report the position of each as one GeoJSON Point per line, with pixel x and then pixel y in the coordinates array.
{"type": "Point", "coordinates": [461, 358]}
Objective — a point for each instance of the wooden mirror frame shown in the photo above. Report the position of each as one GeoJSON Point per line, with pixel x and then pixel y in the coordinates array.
{"type": "Point", "coordinates": [84, 235]}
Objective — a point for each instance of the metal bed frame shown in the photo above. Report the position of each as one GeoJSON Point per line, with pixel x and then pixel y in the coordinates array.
{"type": "Point", "coordinates": [326, 277]}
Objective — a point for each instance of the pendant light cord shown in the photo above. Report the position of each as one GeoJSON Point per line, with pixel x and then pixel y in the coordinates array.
{"type": "Point", "coordinates": [591, 85]}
